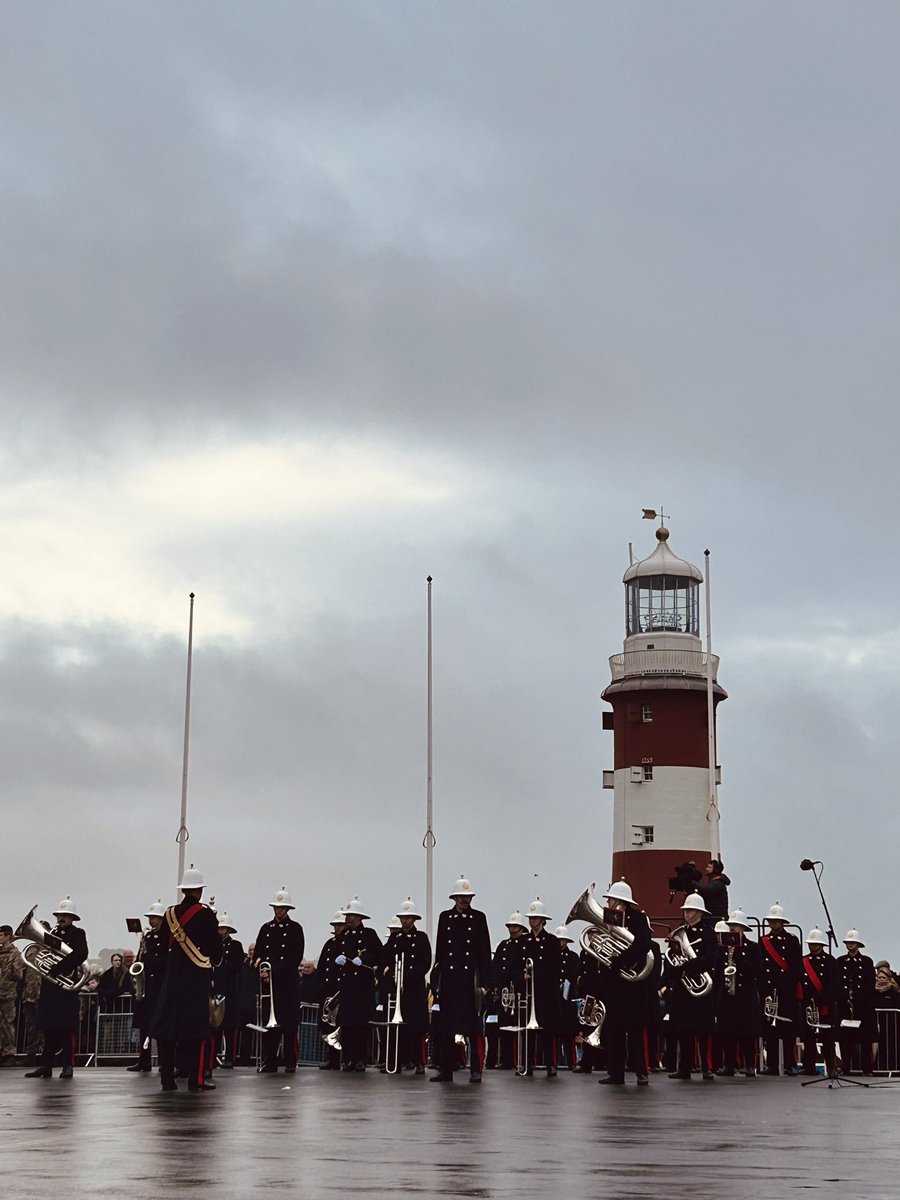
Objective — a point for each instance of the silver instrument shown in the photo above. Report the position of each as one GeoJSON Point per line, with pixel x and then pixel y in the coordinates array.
{"type": "Point", "coordinates": [265, 994]}
{"type": "Point", "coordinates": [679, 951]}
{"type": "Point", "coordinates": [331, 1016]}
{"type": "Point", "coordinates": [137, 973]}
{"type": "Point", "coordinates": [813, 1016]}
{"type": "Point", "coordinates": [730, 973]}
{"type": "Point", "coordinates": [45, 951]}
{"type": "Point", "coordinates": [606, 942]}
{"type": "Point", "coordinates": [593, 1013]}
{"type": "Point", "coordinates": [394, 1021]}
{"type": "Point", "coordinates": [770, 1009]}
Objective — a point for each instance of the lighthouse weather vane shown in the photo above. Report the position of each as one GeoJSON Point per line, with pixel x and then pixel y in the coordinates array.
{"type": "Point", "coordinates": [650, 514]}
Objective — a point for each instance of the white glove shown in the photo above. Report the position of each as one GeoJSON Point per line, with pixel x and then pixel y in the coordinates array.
{"type": "Point", "coordinates": [357, 962]}
{"type": "Point", "coordinates": [341, 960]}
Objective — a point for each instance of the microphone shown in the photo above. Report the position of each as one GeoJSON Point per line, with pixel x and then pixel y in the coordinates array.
{"type": "Point", "coordinates": [807, 864]}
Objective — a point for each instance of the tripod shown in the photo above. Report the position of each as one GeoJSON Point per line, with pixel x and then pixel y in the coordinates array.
{"type": "Point", "coordinates": [832, 1077]}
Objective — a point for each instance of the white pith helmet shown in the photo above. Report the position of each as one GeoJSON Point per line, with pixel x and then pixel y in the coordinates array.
{"type": "Point", "coordinates": [852, 935]}
{"type": "Point", "coordinates": [721, 927]}
{"type": "Point", "coordinates": [516, 918]}
{"type": "Point", "coordinates": [67, 907]}
{"type": "Point", "coordinates": [394, 923]}
{"type": "Point", "coordinates": [620, 891]}
{"type": "Point", "coordinates": [337, 918]}
{"type": "Point", "coordinates": [694, 903]}
{"type": "Point", "coordinates": [354, 907]}
{"type": "Point", "coordinates": [816, 937]}
{"type": "Point", "coordinates": [225, 923]}
{"type": "Point", "coordinates": [739, 917]}
{"type": "Point", "coordinates": [157, 909]}
{"type": "Point", "coordinates": [281, 899]}
{"type": "Point", "coordinates": [775, 913]}
{"type": "Point", "coordinates": [462, 887]}
{"type": "Point", "coordinates": [191, 879]}
{"type": "Point", "coordinates": [536, 909]}
{"type": "Point", "coordinates": [408, 909]}
{"type": "Point", "coordinates": [562, 933]}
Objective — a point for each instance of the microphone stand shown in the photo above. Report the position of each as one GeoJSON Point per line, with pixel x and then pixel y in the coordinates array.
{"type": "Point", "coordinates": [834, 1076]}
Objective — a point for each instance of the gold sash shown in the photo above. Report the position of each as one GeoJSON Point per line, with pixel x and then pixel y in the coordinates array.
{"type": "Point", "coordinates": [177, 931]}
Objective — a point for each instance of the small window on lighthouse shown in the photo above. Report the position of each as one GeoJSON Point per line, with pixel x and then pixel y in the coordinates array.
{"type": "Point", "coordinates": [648, 772]}
{"type": "Point", "coordinates": [648, 835]}
{"type": "Point", "coordinates": [647, 713]}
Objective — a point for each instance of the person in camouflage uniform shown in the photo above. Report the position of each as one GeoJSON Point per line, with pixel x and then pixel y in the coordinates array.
{"type": "Point", "coordinates": [34, 1037]}
{"type": "Point", "coordinates": [12, 968]}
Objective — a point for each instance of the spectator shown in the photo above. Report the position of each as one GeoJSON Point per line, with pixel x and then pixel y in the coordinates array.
{"type": "Point", "coordinates": [12, 968]}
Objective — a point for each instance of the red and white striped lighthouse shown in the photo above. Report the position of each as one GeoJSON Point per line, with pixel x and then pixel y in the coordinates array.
{"type": "Point", "coordinates": [663, 695]}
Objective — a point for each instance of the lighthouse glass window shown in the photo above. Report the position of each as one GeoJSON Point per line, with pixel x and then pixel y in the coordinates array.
{"type": "Point", "coordinates": [663, 604]}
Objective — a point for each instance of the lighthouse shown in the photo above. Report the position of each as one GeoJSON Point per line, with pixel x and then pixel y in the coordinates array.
{"type": "Point", "coordinates": [663, 694]}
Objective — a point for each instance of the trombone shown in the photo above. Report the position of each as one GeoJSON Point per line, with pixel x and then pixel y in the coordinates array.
{"type": "Point", "coordinates": [394, 1021]}
{"type": "Point", "coordinates": [265, 993]}
{"type": "Point", "coordinates": [531, 1025]}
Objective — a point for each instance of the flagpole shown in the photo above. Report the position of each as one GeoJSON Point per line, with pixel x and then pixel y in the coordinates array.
{"type": "Point", "coordinates": [183, 835]}
{"type": "Point", "coordinates": [713, 809]}
{"type": "Point", "coordinates": [429, 840]}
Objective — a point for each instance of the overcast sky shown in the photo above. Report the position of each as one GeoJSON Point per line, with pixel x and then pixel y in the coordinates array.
{"type": "Point", "coordinates": [304, 302]}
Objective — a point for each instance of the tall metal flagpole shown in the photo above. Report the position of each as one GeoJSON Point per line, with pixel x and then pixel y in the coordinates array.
{"type": "Point", "coordinates": [183, 835]}
{"type": "Point", "coordinates": [712, 812]}
{"type": "Point", "coordinates": [429, 840]}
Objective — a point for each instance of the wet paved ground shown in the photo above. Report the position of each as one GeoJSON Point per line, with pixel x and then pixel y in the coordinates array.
{"type": "Point", "coordinates": [111, 1134]}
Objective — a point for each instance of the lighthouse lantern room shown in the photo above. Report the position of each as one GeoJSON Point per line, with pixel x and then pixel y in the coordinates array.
{"type": "Point", "coordinates": [662, 692]}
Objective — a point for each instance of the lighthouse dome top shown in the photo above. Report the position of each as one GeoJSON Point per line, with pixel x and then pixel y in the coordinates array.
{"type": "Point", "coordinates": [663, 562]}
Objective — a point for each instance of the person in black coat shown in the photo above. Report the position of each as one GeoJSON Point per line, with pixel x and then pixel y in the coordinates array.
{"type": "Point", "coordinates": [57, 1010]}
{"type": "Point", "coordinates": [329, 980]}
{"type": "Point", "coordinates": [569, 969]}
{"type": "Point", "coordinates": [819, 985]}
{"type": "Point", "coordinates": [152, 957]}
{"type": "Point", "coordinates": [715, 890]}
{"type": "Point", "coordinates": [626, 999]}
{"type": "Point", "coordinates": [226, 983]}
{"type": "Point", "coordinates": [541, 955]}
{"type": "Point", "coordinates": [357, 957]}
{"type": "Point", "coordinates": [690, 1004]}
{"type": "Point", "coordinates": [782, 968]}
{"type": "Point", "coordinates": [411, 948]}
{"type": "Point", "coordinates": [738, 1019]}
{"type": "Point", "coordinates": [114, 985]}
{"type": "Point", "coordinates": [280, 943]}
{"type": "Point", "coordinates": [459, 981]}
{"type": "Point", "coordinates": [857, 1023]}
{"type": "Point", "coordinates": [503, 1001]}
{"type": "Point", "coordinates": [180, 1022]}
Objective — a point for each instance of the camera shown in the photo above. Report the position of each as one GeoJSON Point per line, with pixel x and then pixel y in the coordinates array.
{"type": "Point", "coordinates": [685, 879]}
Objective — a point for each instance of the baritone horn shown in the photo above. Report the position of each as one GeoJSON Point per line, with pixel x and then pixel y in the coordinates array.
{"type": "Point", "coordinates": [593, 1013]}
{"type": "Point", "coordinates": [606, 942]}
{"type": "Point", "coordinates": [45, 951]}
{"type": "Point", "coordinates": [679, 952]}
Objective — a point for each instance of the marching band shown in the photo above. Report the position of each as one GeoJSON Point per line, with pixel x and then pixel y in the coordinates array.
{"type": "Point", "coordinates": [699, 1000]}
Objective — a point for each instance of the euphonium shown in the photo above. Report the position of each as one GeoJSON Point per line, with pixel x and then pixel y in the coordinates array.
{"type": "Point", "coordinates": [593, 1012]}
{"type": "Point", "coordinates": [606, 942]}
{"type": "Point", "coordinates": [680, 951]}
{"type": "Point", "coordinates": [45, 951]}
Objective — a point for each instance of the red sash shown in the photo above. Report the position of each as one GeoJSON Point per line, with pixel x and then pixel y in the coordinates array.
{"type": "Point", "coordinates": [774, 954]}
{"type": "Point", "coordinates": [811, 972]}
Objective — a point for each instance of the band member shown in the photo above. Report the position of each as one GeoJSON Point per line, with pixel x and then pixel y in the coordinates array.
{"type": "Point", "coordinates": [503, 1003]}
{"type": "Point", "coordinates": [782, 968]}
{"type": "Point", "coordinates": [226, 977]}
{"type": "Point", "coordinates": [856, 1003]}
{"type": "Point", "coordinates": [12, 968]}
{"type": "Point", "coordinates": [408, 950]}
{"type": "Point", "coordinates": [738, 1019]}
{"type": "Point", "coordinates": [818, 982]}
{"type": "Point", "coordinates": [180, 1022]}
{"type": "Point", "coordinates": [57, 1012]}
{"type": "Point", "coordinates": [329, 977]}
{"type": "Point", "coordinates": [591, 1013]}
{"type": "Point", "coordinates": [280, 943]}
{"type": "Point", "coordinates": [459, 980]}
{"type": "Point", "coordinates": [625, 1000]}
{"type": "Point", "coordinates": [542, 958]}
{"type": "Point", "coordinates": [686, 974]}
{"type": "Point", "coordinates": [568, 976]}
{"type": "Point", "coordinates": [152, 957]}
{"type": "Point", "coordinates": [357, 958]}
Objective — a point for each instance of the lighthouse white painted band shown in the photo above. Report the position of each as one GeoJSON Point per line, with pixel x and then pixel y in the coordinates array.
{"type": "Point", "coordinates": [674, 803]}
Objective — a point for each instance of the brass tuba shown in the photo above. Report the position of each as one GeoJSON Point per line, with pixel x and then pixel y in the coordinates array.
{"type": "Point", "coordinates": [45, 951]}
{"type": "Point", "coordinates": [606, 942]}
{"type": "Point", "coordinates": [680, 951]}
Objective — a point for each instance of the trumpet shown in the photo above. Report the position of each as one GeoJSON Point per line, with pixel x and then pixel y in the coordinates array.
{"type": "Point", "coordinates": [679, 952]}
{"type": "Point", "coordinates": [770, 1009]}
{"type": "Point", "coordinates": [45, 951]}
{"type": "Point", "coordinates": [813, 1016]}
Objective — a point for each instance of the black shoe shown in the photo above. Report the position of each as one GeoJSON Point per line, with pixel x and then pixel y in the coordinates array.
{"type": "Point", "coordinates": [793, 1071]}
{"type": "Point", "coordinates": [551, 1072]}
{"type": "Point", "coordinates": [610, 1079]}
{"type": "Point", "coordinates": [170, 1087]}
{"type": "Point", "coordinates": [582, 1070]}
{"type": "Point", "coordinates": [290, 1070]}
{"type": "Point", "coordinates": [643, 1080]}
{"type": "Point", "coordinates": [40, 1073]}
{"type": "Point", "coordinates": [441, 1077]}
{"type": "Point", "coordinates": [348, 1067]}
{"type": "Point", "coordinates": [201, 1087]}
{"type": "Point", "coordinates": [267, 1070]}
{"type": "Point", "coordinates": [66, 1073]}
{"type": "Point", "coordinates": [679, 1074]}
{"type": "Point", "coordinates": [708, 1075]}
{"type": "Point", "coordinates": [726, 1071]}
{"type": "Point", "coordinates": [228, 1065]}
{"type": "Point", "coordinates": [475, 1077]}
{"type": "Point", "coordinates": [138, 1067]}
{"type": "Point", "coordinates": [420, 1070]}
{"type": "Point", "coordinates": [360, 1067]}
{"type": "Point", "coordinates": [750, 1073]}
